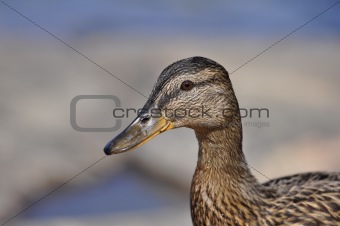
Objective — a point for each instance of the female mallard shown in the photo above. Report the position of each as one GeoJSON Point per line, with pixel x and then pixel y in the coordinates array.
{"type": "Point", "coordinates": [223, 191]}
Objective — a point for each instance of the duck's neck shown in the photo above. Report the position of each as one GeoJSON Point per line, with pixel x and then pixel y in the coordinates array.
{"type": "Point", "coordinates": [220, 150]}
{"type": "Point", "coordinates": [223, 185]}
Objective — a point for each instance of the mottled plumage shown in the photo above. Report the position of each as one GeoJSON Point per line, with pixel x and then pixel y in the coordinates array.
{"type": "Point", "coordinates": [223, 191]}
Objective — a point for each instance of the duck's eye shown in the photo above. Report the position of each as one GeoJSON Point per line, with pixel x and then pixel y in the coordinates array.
{"type": "Point", "coordinates": [187, 85]}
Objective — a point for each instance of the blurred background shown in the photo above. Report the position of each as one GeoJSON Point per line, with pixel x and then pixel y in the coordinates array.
{"type": "Point", "coordinates": [51, 52]}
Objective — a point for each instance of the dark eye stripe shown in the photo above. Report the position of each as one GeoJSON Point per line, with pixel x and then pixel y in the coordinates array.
{"type": "Point", "coordinates": [175, 93]}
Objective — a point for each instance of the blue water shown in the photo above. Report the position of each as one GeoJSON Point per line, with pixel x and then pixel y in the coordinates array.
{"type": "Point", "coordinates": [80, 18]}
{"type": "Point", "coordinates": [127, 191]}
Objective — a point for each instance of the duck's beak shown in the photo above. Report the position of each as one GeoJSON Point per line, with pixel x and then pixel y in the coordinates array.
{"type": "Point", "coordinates": [141, 130]}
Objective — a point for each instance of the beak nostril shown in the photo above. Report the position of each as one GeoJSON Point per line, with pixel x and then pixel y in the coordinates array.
{"type": "Point", "coordinates": [145, 119]}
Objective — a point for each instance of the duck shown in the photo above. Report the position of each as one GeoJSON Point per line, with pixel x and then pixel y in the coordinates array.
{"type": "Point", "coordinates": [197, 93]}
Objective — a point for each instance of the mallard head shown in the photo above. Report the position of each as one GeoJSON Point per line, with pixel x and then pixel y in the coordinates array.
{"type": "Point", "coordinates": [195, 92]}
